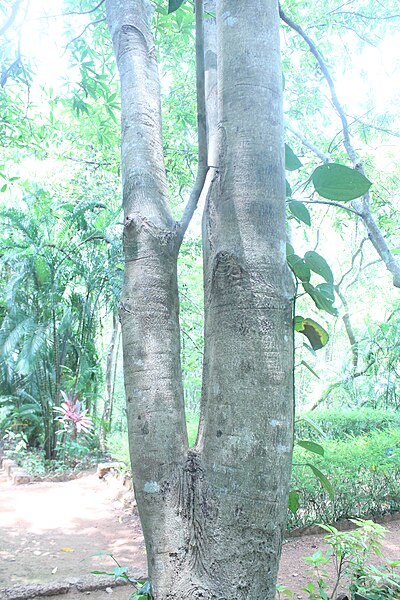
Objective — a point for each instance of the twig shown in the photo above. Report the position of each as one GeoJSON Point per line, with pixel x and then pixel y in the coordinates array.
{"type": "Point", "coordinates": [353, 260]}
{"type": "Point", "coordinates": [332, 203]}
{"type": "Point", "coordinates": [85, 12]}
{"type": "Point", "coordinates": [324, 157]}
{"type": "Point", "coordinates": [192, 340]}
{"type": "Point", "coordinates": [82, 33]}
{"type": "Point", "coordinates": [367, 17]}
{"type": "Point", "coordinates": [201, 124]}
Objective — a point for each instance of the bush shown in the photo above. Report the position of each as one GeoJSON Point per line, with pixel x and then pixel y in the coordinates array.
{"type": "Point", "coordinates": [342, 423]}
{"type": "Point", "coordinates": [364, 472]}
{"type": "Point", "coordinates": [118, 447]}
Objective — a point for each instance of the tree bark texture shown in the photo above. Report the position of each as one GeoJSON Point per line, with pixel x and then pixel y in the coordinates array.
{"type": "Point", "coordinates": [212, 515]}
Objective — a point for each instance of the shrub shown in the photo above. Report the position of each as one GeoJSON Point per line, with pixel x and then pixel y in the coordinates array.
{"type": "Point", "coordinates": [341, 423]}
{"type": "Point", "coordinates": [364, 472]}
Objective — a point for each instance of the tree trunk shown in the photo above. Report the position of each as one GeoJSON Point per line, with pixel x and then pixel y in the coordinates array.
{"type": "Point", "coordinates": [212, 516]}
{"type": "Point", "coordinates": [110, 371]}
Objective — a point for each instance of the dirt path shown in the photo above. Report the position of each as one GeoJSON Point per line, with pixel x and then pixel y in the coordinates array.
{"type": "Point", "coordinates": [49, 532]}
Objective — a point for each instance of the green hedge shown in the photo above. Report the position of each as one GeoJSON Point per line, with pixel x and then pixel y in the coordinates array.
{"type": "Point", "coordinates": [341, 423]}
{"type": "Point", "coordinates": [364, 472]}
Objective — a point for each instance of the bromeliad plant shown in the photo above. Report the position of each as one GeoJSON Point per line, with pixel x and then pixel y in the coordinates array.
{"type": "Point", "coordinates": [73, 417]}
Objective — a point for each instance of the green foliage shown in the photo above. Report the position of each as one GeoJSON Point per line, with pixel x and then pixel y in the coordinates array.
{"type": "Point", "coordinates": [118, 447]}
{"type": "Point", "coordinates": [364, 473]}
{"type": "Point", "coordinates": [55, 279]}
{"type": "Point", "coordinates": [347, 555]}
{"type": "Point", "coordinates": [192, 424]}
{"type": "Point", "coordinates": [341, 423]}
{"type": "Point", "coordinates": [379, 583]}
{"type": "Point", "coordinates": [142, 586]}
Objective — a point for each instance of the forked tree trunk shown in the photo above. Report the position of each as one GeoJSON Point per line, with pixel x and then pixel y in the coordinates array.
{"type": "Point", "coordinates": [212, 516]}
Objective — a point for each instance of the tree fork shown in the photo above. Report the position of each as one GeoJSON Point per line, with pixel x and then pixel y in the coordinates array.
{"type": "Point", "coordinates": [212, 516]}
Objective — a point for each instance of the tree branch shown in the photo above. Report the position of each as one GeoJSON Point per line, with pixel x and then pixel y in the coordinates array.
{"type": "Point", "coordinates": [361, 207]}
{"type": "Point", "coordinates": [82, 32]}
{"type": "Point", "coordinates": [201, 124]}
{"type": "Point", "coordinates": [331, 203]}
{"type": "Point", "coordinates": [367, 17]}
{"type": "Point", "coordinates": [85, 12]}
{"type": "Point", "coordinates": [5, 74]}
{"type": "Point", "coordinates": [12, 17]}
{"type": "Point", "coordinates": [324, 157]}
{"type": "Point", "coordinates": [353, 260]}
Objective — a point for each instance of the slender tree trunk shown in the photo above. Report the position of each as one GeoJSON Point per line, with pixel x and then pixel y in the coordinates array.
{"type": "Point", "coordinates": [212, 516]}
{"type": "Point", "coordinates": [110, 370]}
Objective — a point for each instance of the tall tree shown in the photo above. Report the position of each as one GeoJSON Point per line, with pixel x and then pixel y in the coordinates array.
{"type": "Point", "coordinates": [212, 515]}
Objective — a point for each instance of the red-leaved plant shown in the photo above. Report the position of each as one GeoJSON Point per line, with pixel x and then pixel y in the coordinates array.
{"type": "Point", "coordinates": [73, 417]}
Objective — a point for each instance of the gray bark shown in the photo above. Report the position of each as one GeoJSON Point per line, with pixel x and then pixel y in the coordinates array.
{"type": "Point", "coordinates": [212, 516]}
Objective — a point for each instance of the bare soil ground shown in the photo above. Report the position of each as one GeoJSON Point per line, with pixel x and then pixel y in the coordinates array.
{"type": "Point", "coordinates": [50, 531]}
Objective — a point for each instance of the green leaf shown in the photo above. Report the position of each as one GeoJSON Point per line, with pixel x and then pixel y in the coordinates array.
{"type": "Point", "coordinates": [293, 502]}
{"type": "Point", "coordinates": [317, 336]}
{"type": "Point", "coordinates": [299, 267]}
{"type": "Point", "coordinates": [3, 188]}
{"type": "Point", "coordinates": [312, 424]}
{"type": "Point", "coordinates": [321, 298]}
{"type": "Point", "coordinates": [299, 211]}
{"type": "Point", "coordinates": [337, 182]}
{"type": "Point", "coordinates": [308, 347]}
{"type": "Point", "coordinates": [288, 189]}
{"type": "Point", "coordinates": [307, 366]}
{"type": "Point", "coordinates": [318, 264]}
{"type": "Point", "coordinates": [173, 5]}
{"type": "Point", "coordinates": [324, 481]}
{"type": "Point", "coordinates": [292, 162]}
{"type": "Point", "coordinates": [311, 447]}
{"type": "Point", "coordinates": [327, 290]}
{"type": "Point", "coordinates": [120, 571]}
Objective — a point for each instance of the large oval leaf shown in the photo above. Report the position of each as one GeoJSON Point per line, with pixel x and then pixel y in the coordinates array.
{"type": "Point", "coordinates": [299, 267]}
{"type": "Point", "coordinates": [293, 501]}
{"type": "Point", "coordinates": [323, 297]}
{"type": "Point", "coordinates": [292, 162]}
{"type": "Point", "coordinates": [311, 446]}
{"type": "Point", "coordinates": [318, 264]}
{"type": "Point", "coordinates": [337, 182]}
{"type": "Point", "coordinates": [317, 336]}
{"type": "Point", "coordinates": [300, 211]}
{"type": "Point", "coordinates": [173, 5]}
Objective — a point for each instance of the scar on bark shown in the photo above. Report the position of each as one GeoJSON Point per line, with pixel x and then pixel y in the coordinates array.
{"type": "Point", "coordinates": [194, 507]}
{"type": "Point", "coordinates": [227, 270]}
